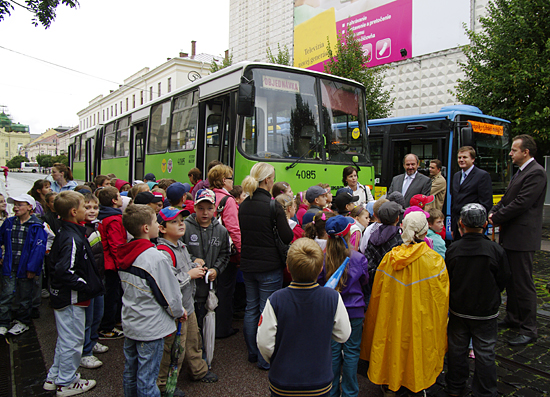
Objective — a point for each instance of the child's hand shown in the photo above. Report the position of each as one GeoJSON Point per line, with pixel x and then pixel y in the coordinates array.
{"type": "Point", "coordinates": [199, 261]}
{"type": "Point", "coordinates": [30, 274]}
{"type": "Point", "coordinates": [184, 317]}
{"type": "Point", "coordinates": [197, 272]}
{"type": "Point", "coordinates": [213, 274]}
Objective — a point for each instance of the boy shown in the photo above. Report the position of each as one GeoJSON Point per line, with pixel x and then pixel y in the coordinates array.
{"type": "Point", "coordinates": [74, 283]}
{"type": "Point", "coordinates": [113, 235]}
{"type": "Point", "coordinates": [94, 312]}
{"type": "Point", "coordinates": [176, 194]}
{"type": "Point", "coordinates": [172, 229]}
{"type": "Point", "coordinates": [436, 222]}
{"type": "Point", "coordinates": [208, 244]}
{"type": "Point", "coordinates": [24, 239]}
{"type": "Point", "coordinates": [317, 199]}
{"type": "Point", "coordinates": [102, 181]}
{"type": "Point", "coordinates": [345, 201]}
{"type": "Point", "coordinates": [478, 272]}
{"type": "Point", "coordinates": [150, 304]}
{"type": "Point", "coordinates": [150, 199]}
{"type": "Point", "coordinates": [297, 325]}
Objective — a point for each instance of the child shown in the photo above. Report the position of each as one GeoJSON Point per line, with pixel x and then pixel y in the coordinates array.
{"type": "Point", "coordinates": [297, 325]}
{"type": "Point", "coordinates": [375, 224]}
{"type": "Point", "coordinates": [171, 230]}
{"type": "Point", "coordinates": [345, 201]}
{"type": "Point", "coordinates": [422, 201]}
{"type": "Point", "coordinates": [316, 230]}
{"type": "Point", "coordinates": [3, 212]}
{"type": "Point", "coordinates": [102, 181]}
{"type": "Point", "coordinates": [113, 235]}
{"type": "Point", "coordinates": [361, 217]}
{"type": "Point", "coordinates": [39, 190]}
{"type": "Point", "coordinates": [138, 188]}
{"type": "Point", "coordinates": [329, 195]}
{"type": "Point", "coordinates": [302, 206]}
{"type": "Point", "coordinates": [208, 244]}
{"type": "Point", "coordinates": [121, 185]}
{"type": "Point", "coordinates": [176, 194]}
{"type": "Point", "coordinates": [478, 272]}
{"type": "Point", "coordinates": [436, 223]}
{"type": "Point", "coordinates": [189, 204]}
{"type": "Point", "coordinates": [150, 199]}
{"type": "Point", "coordinates": [94, 312]}
{"type": "Point", "coordinates": [150, 303]}
{"type": "Point", "coordinates": [238, 193]}
{"type": "Point", "coordinates": [317, 199]}
{"type": "Point", "coordinates": [290, 210]}
{"type": "Point", "coordinates": [281, 188]}
{"type": "Point", "coordinates": [24, 240]}
{"type": "Point", "coordinates": [75, 282]}
{"type": "Point", "coordinates": [350, 286]}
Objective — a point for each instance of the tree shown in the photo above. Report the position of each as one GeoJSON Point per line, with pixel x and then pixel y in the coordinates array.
{"type": "Point", "coordinates": [16, 161]}
{"type": "Point", "coordinates": [227, 61]}
{"type": "Point", "coordinates": [43, 10]}
{"type": "Point", "coordinates": [44, 160]}
{"type": "Point", "coordinates": [282, 58]}
{"type": "Point", "coordinates": [350, 62]}
{"type": "Point", "coordinates": [508, 67]}
{"type": "Point", "coordinates": [62, 158]}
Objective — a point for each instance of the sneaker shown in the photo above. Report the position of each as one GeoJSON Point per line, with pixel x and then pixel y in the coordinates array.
{"type": "Point", "coordinates": [45, 294]}
{"type": "Point", "coordinates": [50, 384]}
{"type": "Point", "coordinates": [114, 334]}
{"type": "Point", "coordinates": [210, 377]}
{"type": "Point", "coordinates": [99, 348]}
{"type": "Point", "coordinates": [18, 328]}
{"type": "Point", "coordinates": [78, 387]}
{"type": "Point", "coordinates": [3, 331]}
{"type": "Point", "coordinates": [90, 362]}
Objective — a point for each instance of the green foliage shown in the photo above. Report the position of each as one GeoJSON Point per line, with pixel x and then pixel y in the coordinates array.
{"type": "Point", "coordinates": [43, 10]}
{"type": "Point", "coordinates": [282, 58]}
{"type": "Point", "coordinates": [44, 160]}
{"type": "Point", "coordinates": [350, 62]}
{"type": "Point", "coordinates": [16, 161]}
{"type": "Point", "coordinates": [62, 158]}
{"type": "Point", "coordinates": [214, 66]}
{"type": "Point", "coordinates": [508, 67]}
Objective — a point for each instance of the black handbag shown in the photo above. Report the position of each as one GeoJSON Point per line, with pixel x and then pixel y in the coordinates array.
{"type": "Point", "coordinates": [282, 248]}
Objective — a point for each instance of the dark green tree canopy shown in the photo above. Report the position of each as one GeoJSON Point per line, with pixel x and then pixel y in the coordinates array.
{"type": "Point", "coordinates": [62, 158]}
{"type": "Point", "coordinates": [44, 160]}
{"type": "Point", "coordinates": [508, 67]}
{"type": "Point", "coordinates": [350, 62]}
{"type": "Point", "coordinates": [15, 162]}
{"type": "Point", "coordinates": [43, 10]}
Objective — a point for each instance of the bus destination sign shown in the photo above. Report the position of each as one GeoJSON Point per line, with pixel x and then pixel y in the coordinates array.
{"type": "Point", "coordinates": [486, 128]}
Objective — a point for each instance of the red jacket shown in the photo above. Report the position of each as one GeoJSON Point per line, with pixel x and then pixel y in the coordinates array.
{"type": "Point", "coordinates": [113, 235]}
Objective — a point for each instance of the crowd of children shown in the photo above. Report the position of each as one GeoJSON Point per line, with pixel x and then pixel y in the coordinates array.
{"type": "Point", "coordinates": [134, 262]}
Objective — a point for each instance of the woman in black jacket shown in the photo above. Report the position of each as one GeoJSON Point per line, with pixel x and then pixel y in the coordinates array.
{"type": "Point", "coordinates": [261, 264]}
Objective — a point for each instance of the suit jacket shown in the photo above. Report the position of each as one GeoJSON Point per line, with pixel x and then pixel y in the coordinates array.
{"type": "Point", "coordinates": [439, 188]}
{"type": "Point", "coordinates": [421, 184]}
{"type": "Point", "coordinates": [519, 212]}
{"type": "Point", "coordinates": [476, 188]}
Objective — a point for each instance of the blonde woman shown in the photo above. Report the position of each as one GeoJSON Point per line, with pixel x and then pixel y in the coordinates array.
{"type": "Point", "coordinates": [260, 262]}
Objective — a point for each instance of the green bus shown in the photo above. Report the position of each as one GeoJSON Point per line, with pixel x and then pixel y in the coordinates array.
{"type": "Point", "coordinates": [308, 125]}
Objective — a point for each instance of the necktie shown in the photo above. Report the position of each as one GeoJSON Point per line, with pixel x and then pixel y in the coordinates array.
{"type": "Point", "coordinates": [406, 184]}
{"type": "Point", "coordinates": [463, 177]}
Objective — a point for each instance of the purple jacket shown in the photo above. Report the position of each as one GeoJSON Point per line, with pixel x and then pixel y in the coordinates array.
{"type": "Point", "coordinates": [352, 294]}
{"type": "Point", "coordinates": [200, 185]}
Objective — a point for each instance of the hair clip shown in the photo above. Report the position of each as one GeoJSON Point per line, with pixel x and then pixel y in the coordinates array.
{"type": "Point", "coordinates": [344, 240]}
{"type": "Point", "coordinates": [323, 217]}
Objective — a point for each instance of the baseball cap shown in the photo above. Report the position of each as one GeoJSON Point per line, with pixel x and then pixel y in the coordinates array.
{"type": "Point", "coordinates": [338, 225]}
{"type": "Point", "coordinates": [314, 192]}
{"type": "Point", "coordinates": [421, 201]}
{"type": "Point", "coordinates": [389, 212]}
{"type": "Point", "coordinates": [205, 195]}
{"type": "Point", "coordinates": [398, 198]}
{"type": "Point", "coordinates": [150, 177]}
{"type": "Point", "coordinates": [170, 213]}
{"type": "Point", "coordinates": [415, 208]}
{"type": "Point", "coordinates": [343, 199]}
{"type": "Point", "coordinates": [146, 198]}
{"type": "Point", "coordinates": [344, 189]}
{"type": "Point", "coordinates": [473, 215]}
{"type": "Point", "coordinates": [176, 190]}
{"type": "Point", "coordinates": [26, 198]}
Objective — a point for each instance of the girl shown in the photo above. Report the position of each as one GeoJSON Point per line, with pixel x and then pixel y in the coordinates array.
{"type": "Point", "coordinates": [3, 212]}
{"type": "Point", "coordinates": [62, 178]}
{"type": "Point", "coordinates": [361, 217]}
{"type": "Point", "coordinates": [302, 205]}
{"type": "Point", "coordinates": [281, 188]}
{"type": "Point", "coordinates": [39, 190]}
{"type": "Point", "coordinates": [290, 210]}
{"type": "Point", "coordinates": [349, 286]}
{"type": "Point", "coordinates": [316, 230]}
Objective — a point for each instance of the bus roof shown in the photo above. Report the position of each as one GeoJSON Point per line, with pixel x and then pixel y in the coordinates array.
{"type": "Point", "coordinates": [445, 113]}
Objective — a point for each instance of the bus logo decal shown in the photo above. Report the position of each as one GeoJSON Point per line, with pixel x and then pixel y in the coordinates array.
{"type": "Point", "coordinates": [163, 165]}
{"type": "Point", "coordinates": [170, 165]}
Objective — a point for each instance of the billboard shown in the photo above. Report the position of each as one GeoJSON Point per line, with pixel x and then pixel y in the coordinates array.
{"type": "Point", "coordinates": [384, 28]}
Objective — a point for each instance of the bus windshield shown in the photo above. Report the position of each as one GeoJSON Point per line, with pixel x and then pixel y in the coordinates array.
{"type": "Point", "coordinates": [304, 117]}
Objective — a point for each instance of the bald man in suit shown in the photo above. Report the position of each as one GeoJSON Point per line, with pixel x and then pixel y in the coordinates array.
{"type": "Point", "coordinates": [519, 215]}
{"type": "Point", "coordinates": [411, 182]}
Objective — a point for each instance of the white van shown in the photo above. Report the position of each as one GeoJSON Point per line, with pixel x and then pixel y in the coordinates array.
{"type": "Point", "coordinates": [29, 167]}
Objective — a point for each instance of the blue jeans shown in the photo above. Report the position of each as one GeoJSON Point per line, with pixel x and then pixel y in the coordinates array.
{"type": "Point", "coordinates": [347, 365]}
{"type": "Point", "coordinates": [21, 289]}
{"type": "Point", "coordinates": [141, 368]}
{"type": "Point", "coordinates": [484, 337]}
{"type": "Point", "coordinates": [259, 287]}
{"type": "Point", "coordinates": [70, 323]}
{"type": "Point", "coordinates": [94, 314]}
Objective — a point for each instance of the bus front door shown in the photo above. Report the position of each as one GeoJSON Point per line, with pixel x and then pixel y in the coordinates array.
{"type": "Point", "coordinates": [137, 153]}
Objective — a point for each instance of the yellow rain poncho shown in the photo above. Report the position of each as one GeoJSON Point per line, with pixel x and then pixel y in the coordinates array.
{"type": "Point", "coordinates": [405, 329]}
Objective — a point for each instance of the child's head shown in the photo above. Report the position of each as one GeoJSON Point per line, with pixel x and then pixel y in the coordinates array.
{"type": "Point", "coordinates": [205, 207]}
{"type": "Point", "coordinates": [3, 205]}
{"type": "Point", "coordinates": [361, 215]}
{"type": "Point", "coordinates": [23, 205]}
{"type": "Point", "coordinates": [389, 213]}
{"type": "Point", "coordinates": [110, 197]}
{"type": "Point", "coordinates": [171, 223]}
{"type": "Point", "coordinates": [424, 202]}
{"type": "Point", "coordinates": [473, 218]}
{"type": "Point", "coordinates": [176, 193]}
{"type": "Point", "coordinates": [40, 188]}
{"type": "Point", "coordinates": [158, 191]}
{"type": "Point", "coordinates": [376, 206]}
{"type": "Point", "coordinates": [91, 203]}
{"type": "Point", "coordinates": [238, 193]}
{"type": "Point", "coordinates": [140, 221]}
{"type": "Point", "coordinates": [49, 199]}
{"type": "Point", "coordinates": [69, 206]}
{"type": "Point", "coordinates": [165, 182]}
{"type": "Point", "coordinates": [102, 181]}
{"type": "Point", "coordinates": [436, 220]}
{"type": "Point", "coordinates": [281, 188]}
{"type": "Point", "coordinates": [148, 198]}
{"type": "Point", "coordinates": [329, 192]}
{"type": "Point", "coordinates": [288, 204]}
{"type": "Point", "coordinates": [317, 196]}
{"type": "Point", "coordinates": [121, 185]}
{"type": "Point", "coordinates": [150, 177]}
{"type": "Point", "coordinates": [316, 229]}
{"type": "Point", "coordinates": [82, 189]}
{"type": "Point", "coordinates": [345, 201]}
{"type": "Point", "coordinates": [338, 229]}
{"type": "Point", "coordinates": [300, 199]}
{"type": "Point", "coordinates": [194, 175]}
{"type": "Point", "coordinates": [138, 188]}
{"type": "Point", "coordinates": [304, 260]}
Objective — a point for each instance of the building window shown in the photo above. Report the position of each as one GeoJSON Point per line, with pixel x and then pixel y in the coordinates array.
{"type": "Point", "coordinates": [159, 89]}
{"type": "Point", "coordinates": [141, 99]}
{"type": "Point", "coordinates": [151, 93]}
{"type": "Point", "coordinates": [126, 104]}
{"type": "Point", "coordinates": [133, 101]}
{"type": "Point", "coordinates": [7, 154]}
{"type": "Point", "coordinates": [7, 145]}
{"type": "Point", "coordinates": [121, 107]}
{"type": "Point", "coordinates": [94, 119]}
{"type": "Point", "coordinates": [116, 107]}
{"type": "Point", "coordinates": [112, 111]}
{"type": "Point", "coordinates": [169, 84]}
{"type": "Point", "coordinates": [103, 116]}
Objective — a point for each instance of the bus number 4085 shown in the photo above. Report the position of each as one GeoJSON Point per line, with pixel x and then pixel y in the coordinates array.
{"type": "Point", "coordinates": [305, 174]}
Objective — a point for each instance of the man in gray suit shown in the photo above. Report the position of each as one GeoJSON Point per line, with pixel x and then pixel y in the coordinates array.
{"type": "Point", "coordinates": [411, 182]}
{"type": "Point", "coordinates": [519, 214]}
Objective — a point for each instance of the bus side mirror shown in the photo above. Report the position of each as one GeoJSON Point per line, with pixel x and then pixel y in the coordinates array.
{"type": "Point", "coordinates": [467, 136]}
{"type": "Point", "coordinates": [245, 100]}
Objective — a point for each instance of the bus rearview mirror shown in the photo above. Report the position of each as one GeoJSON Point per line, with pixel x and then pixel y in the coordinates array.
{"type": "Point", "coordinates": [467, 136]}
{"type": "Point", "coordinates": [245, 100]}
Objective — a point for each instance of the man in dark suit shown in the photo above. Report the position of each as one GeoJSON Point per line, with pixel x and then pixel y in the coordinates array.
{"type": "Point", "coordinates": [519, 214]}
{"type": "Point", "coordinates": [411, 182]}
{"type": "Point", "coordinates": [469, 185]}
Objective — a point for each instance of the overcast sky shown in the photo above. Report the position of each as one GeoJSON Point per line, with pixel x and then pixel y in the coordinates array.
{"type": "Point", "coordinates": [111, 39]}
